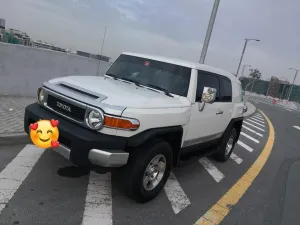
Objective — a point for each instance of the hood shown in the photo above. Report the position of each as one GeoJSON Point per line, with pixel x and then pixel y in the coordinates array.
{"type": "Point", "coordinates": [121, 93]}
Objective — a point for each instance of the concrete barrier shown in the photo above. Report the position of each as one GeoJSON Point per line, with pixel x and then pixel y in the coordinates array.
{"type": "Point", "coordinates": [23, 69]}
{"type": "Point", "coordinates": [269, 100]}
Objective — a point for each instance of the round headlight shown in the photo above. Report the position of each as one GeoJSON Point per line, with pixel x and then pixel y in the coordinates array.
{"type": "Point", "coordinates": [41, 95]}
{"type": "Point", "coordinates": [95, 119]}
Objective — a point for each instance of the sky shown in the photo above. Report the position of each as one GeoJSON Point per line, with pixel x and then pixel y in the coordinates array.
{"type": "Point", "coordinates": [173, 28]}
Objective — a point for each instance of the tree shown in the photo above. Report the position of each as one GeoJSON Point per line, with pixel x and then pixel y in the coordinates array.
{"type": "Point", "coordinates": [255, 74]}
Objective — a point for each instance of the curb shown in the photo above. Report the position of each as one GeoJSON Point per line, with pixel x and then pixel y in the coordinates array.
{"type": "Point", "coordinates": [14, 138]}
{"type": "Point", "coordinates": [250, 114]}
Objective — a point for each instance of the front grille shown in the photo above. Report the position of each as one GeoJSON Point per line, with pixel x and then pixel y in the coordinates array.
{"type": "Point", "coordinates": [75, 113]}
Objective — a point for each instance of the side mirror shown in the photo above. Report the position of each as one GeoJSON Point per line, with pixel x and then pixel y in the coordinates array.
{"type": "Point", "coordinates": [245, 109]}
{"type": "Point", "coordinates": [209, 95]}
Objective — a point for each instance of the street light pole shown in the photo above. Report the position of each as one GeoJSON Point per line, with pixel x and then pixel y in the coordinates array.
{"type": "Point", "coordinates": [241, 59]}
{"type": "Point", "coordinates": [283, 87]}
{"type": "Point", "coordinates": [244, 69]}
{"type": "Point", "coordinates": [291, 89]}
{"type": "Point", "coordinates": [101, 48]}
{"type": "Point", "coordinates": [209, 31]}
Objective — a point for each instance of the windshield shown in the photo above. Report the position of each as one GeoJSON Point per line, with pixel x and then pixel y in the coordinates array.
{"type": "Point", "coordinates": [173, 78]}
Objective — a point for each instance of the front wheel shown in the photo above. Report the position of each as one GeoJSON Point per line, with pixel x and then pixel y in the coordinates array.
{"type": "Point", "coordinates": [226, 145]}
{"type": "Point", "coordinates": [147, 171]}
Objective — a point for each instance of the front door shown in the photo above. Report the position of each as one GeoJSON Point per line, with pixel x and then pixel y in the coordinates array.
{"type": "Point", "coordinates": [209, 124]}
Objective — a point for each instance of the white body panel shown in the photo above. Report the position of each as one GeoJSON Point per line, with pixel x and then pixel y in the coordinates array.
{"type": "Point", "coordinates": [154, 109]}
{"type": "Point", "coordinates": [121, 93]}
{"type": "Point", "coordinates": [156, 118]}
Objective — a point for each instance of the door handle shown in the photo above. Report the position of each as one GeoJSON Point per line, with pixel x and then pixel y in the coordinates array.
{"type": "Point", "coordinates": [220, 111]}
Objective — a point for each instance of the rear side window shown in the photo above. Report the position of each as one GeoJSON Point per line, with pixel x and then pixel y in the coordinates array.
{"type": "Point", "coordinates": [225, 90]}
{"type": "Point", "coordinates": [207, 80]}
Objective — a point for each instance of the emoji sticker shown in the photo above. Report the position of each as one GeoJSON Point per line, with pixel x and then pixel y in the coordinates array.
{"type": "Point", "coordinates": [44, 133]}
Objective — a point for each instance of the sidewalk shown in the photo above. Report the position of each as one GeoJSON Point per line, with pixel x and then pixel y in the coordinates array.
{"type": "Point", "coordinates": [12, 114]}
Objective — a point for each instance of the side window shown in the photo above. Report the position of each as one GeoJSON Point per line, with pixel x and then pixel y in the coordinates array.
{"type": "Point", "coordinates": [207, 80]}
{"type": "Point", "coordinates": [225, 90]}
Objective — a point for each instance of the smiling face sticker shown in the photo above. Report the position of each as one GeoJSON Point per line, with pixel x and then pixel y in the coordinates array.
{"type": "Point", "coordinates": [44, 133]}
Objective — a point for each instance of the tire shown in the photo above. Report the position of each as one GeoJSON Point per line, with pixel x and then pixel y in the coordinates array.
{"type": "Point", "coordinates": [132, 175]}
{"type": "Point", "coordinates": [223, 154]}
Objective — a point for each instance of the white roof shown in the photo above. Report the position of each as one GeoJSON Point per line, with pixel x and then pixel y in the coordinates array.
{"type": "Point", "coordinates": [186, 63]}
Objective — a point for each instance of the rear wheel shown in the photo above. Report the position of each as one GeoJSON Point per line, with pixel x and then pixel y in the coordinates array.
{"type": "Point", "coordinates": [226, 145]}
{"type": "Point", "coordinates": [147, 170]}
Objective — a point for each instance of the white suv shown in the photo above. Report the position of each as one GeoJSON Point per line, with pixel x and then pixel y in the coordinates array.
{"type": "Point", "coordinates": [141, 116]}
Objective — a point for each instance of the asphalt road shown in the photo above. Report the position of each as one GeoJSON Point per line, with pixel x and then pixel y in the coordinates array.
{"type": "Point", "coordinates": [274, 197]}
{"type": "Point", "coordinates": [40, 187]}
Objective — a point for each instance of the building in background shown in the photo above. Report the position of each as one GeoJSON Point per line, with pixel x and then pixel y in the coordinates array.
{"type": "Point", "coordinates": [13, 36]}
{"type": "Point", "coordinates": [2, 23]}
{"type": "Point", "coordinates": [2, 28]}
{"type": "Point", "coordinates": [93, 56]}
{"type": "Point", "coordinates": [274, 86]}
{"type": "Point", "coordinates": [45, 45]}
{"type": "Point", "coordinates": [18, 37]}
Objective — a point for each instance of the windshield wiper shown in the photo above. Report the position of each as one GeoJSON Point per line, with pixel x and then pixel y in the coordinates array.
{"type": "Point", "coordinates": [112, 75]}
{"type": "Point", "coordinates": [123, 78]}
{"type": "Point", "coordinates": [159, 88]}
{"type": "Point", "coordinates": [139, 84]}
{"type": "Point", "coordinates": [130, 80]}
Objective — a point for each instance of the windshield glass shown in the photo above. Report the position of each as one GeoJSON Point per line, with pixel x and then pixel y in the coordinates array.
{"type": "Point", "coordinates": [173, 78]}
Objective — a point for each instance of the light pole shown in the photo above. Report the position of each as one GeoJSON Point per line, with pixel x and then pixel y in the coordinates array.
{"type": "Point", "coordinates": [209, 31]}
{"type": "Point", "coordinates": [244, 69]}
{"type": "Point", "coordinates": [283, 87]}
{"type": "Point", "coordinates": [291, 89]}
{"type": "Point", "coordinates": [102, 48]}
{"type": "Point", "coordinates": [251, 70]}
{"type": "Point", "coordinates": [245, 45]}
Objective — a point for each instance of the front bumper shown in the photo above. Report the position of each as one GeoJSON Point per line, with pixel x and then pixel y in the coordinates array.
{"type": "Point", "coordinates": [81, 146]}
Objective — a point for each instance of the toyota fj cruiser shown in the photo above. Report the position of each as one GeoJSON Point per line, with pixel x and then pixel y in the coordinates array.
{"type": "Point", "coordinates": [141, 116]}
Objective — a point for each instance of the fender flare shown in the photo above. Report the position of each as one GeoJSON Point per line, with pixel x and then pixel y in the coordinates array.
{"type": "Point", "coordinates": [146, 135]}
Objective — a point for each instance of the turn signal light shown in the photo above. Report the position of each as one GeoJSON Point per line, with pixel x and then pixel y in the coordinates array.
{"type": "Point", "coordinates": [121, 123]}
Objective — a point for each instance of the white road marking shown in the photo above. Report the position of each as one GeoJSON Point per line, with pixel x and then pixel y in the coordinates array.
{"type": "Point", "coordinates": [249, 137]}
{"type": "Point", "coordinates": [16, 172]}
{"type": "Point", "coordinates": [297, 127]}
{"type": "Point", "coordinates": [258, 117]}
{"type": "Point", "coordinates": [98, 201]}
{"type": "Point", "coordinates": [258, 120]}
{"type": "Point", "coordinates": [255, 122]}
{"type": "Point", "coordinates": [288, 110]}
{"type": "Point", "coordinates": [175, 194]}
{"type": "Point", "coordinates": [237, 159]}
{"type": "Point", "coordinates": [253, 126]}
{"type": "Point", "coordinates": [253, 131]}
{"type": "Point", "coordinates": [257, 114]}
{"type": "Point", "coordinates": [211, 169]}
{"type": "Point", "coordinates": [245, 146]}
